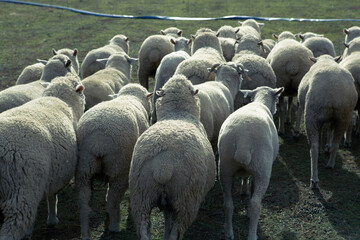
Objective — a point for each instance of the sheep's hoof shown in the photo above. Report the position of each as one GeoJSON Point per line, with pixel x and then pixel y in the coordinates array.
{"type": "Point", "coordinates": [52, 223]}
{"type": "Point", "coordinates": [314, 185]}
{"type": "Point", "coordinates": [296, 135]}
{"type": "Point", "coordinates": [330, 166]}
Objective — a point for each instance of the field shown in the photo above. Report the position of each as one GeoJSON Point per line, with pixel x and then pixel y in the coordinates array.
{"type": "Point", "coordinates": [291, 210]}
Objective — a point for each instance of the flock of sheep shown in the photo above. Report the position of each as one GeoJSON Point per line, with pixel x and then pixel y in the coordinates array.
{"type": "Point", "coordinates": [211, 114]}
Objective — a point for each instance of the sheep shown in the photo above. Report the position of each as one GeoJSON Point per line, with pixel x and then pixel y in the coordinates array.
{"type": "Point", "coordinates": [164, 72]}
{"type": "Point", "coordinates": [173, 166]}
{"type": "Point", "coordinates": [259, 73]}
{"type": "Point", "coordinates": [205, 52]}
{"type": "Point", "coordinates": [249, 26]}
{"type": "Point", "coordinates": [38, 154]}
{"type": "Point", "coordinates": [326, 94]}
{"type": "Point", "coordinates": [318, 44]}
{"type": "Point", "coordinates": [290, 62]}
{"type": "Point", "coordinates": [352, 63]}
{"type": "Point", "coordinates": [350, 34]}
{"type": "Point", "coordinates": [152, 50]}
{"type": "Point", "coordinates": [33, 72]}
{"type": "Point", "coordinates": [227, 37]}
{"type": "Point", "coordinates": [217, 97]}
{"type": "Point", "coordinates": [284, 35]}
{"type": "Point", "coordinates": [248, 145]}
{"type": "Point", "coordinates": [118, 44]}
{"type": "Point", "coordinates": [58, 65]}
{"type": "Point", "coordinates": [108, 81]}
{"type": "Point", "coordinates": [106, 138]}
{"type": "Point", "coordinates": [248, 44]}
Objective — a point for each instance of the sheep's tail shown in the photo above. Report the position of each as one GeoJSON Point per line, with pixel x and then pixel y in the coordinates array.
{"type": "Point", "coordinates": [162, 167]}
{"type": "Point", "coordinates": [292, 68]}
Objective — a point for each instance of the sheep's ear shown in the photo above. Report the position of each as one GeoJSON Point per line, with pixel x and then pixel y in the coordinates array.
{"type": "Point", "coordinates": [132, 60]}
{"type": "Point", "coordinates": [42, 61]}
{"type": "Point", "coordinates": [172, 41]}
{"type": "Point", "coordinates": [346, 45]}
{"type": "Point", "coordinates": [275, 36]}
{"type": "Point", "coordinates": [44, 84]}
{"type": "Point", "coordinates": [196, 91]}
{"type": "Point", "coordinates": [301, 36]}
{"type": "Point", "coordinates": [240, 23]}
{"type": "Point", "coordinates": [237, 30]}
{"type": "Point", "coordinates": [102, 60]}
{"type": "Point", "coordinates": [346, 31]}
{"type": "Point", "coordinates": [261, 24]}
{"type": "Point", "coordinates": [68, 63]}
{"type": "Point", "coordinates": [260, 43]}
{"type": "Point", "coordinates": [213, 68]}
{"type": "Point", "coordinates": [75, 52]}
{"type": "Point", "coordinates": [193, 36]}
{"type": "Point", "coordinates": [179, 33]}
{"type": "Point", "coordinates": [189, 41]}
{"type": "Point", "coordinates": [160, 92]}
{"type": "Point", "coordinates": [217, 34]}
{"type": "Point", "coordinates": [113, 96]}
{"type": "Point", "coordinates": [149, 94]}
{"type": "Point", "coordinates": [54, 51]}
{"type": "Point", "coordinates": [337, 59]}
{"type": "Point", "coordinates": [162, 32]}
{"type": "Point", "coordinates": [79, 88]}
{"type": "Point", "coordinates": [278, 91]}
{"type": "Point", "coordinates": [313, 59]}
{"type": "Point", "coordinates": [126, 39]}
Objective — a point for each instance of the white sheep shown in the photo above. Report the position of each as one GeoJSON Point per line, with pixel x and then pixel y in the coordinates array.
{"type": "Point", "coordinates": [118, 44]}
{"type": "Point", "coordinates": [352, 64]}
{"type": "Point", "coordinates": [106, 135]}
{"type": "Point", "coordinates": [33, 72]}
{"type": "Point", "coordinates": [350, 34]}
{"type": "Point", "coordinates": [318, 44]}
{"type": "Point", "coordinates": [108, 81]}
{"type": "Point", "coordinates": [152, 50]}
{"type": "Point", "coordinates": [249, 26]}
{"type": "Point", "coordinates": [227, 37]}
{"type": "Point", "coordinates": [38, 154]}
{"type": "Point", "coordinates": [164, 72]}
{"type": "Point", "coordinates": [326, 94]}
{"type": "Point", "coordinates": [248, 44]}
{"type": "Point", "coordinates": [173, 165]}
{"type": "Point", "coordinates": [217, 97]}
{"type": "Point", "coordinates": [58, 65]}
{"type": "Point", "coordinates": [248, 145]}
{"type": "Point", "coordinates": [290, 62]}
{"type": "Point", "coordinates": [259, 73]}
{"type": "Point", "coordinates": [206, 51]}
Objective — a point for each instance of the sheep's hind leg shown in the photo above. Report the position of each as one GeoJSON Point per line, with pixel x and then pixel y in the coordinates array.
{"type": "Point", "coordinates": [226, 184]}
{"type": "Point", "coordinates": [169, 222]}
{"type": "Point", "coordinates": [260, 185]}
{"type": "Point", "coordinates": [337, 136]}
{"type": "Point", "coordinates": [117, 188]}
{"type": "Point", "coordinates": [52, 219]}
{"type": "Point", "coordinates": [84, 198]}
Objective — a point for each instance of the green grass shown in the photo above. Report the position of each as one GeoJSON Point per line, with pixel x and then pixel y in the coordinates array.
{"type": "Point", "coordinates": [290, 209]}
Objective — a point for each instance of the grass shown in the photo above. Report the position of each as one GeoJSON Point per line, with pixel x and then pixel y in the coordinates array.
{"type": "Point", "coordinates": [290, 209]}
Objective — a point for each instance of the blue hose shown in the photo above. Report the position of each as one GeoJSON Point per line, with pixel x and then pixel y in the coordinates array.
{"type": "Point", "coordinates": [180, 18]}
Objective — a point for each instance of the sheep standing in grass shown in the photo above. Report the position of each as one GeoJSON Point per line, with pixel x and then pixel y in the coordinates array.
{"type": "Point", "coordinates": [326, 94]}
{"type": "Point", "coordinates": [173, 165]}
{"type": "Point", "coordinates": [33, 72]}
{"type": "Point", "coordinates": [168, 67]}
{"type": "Point", "coordinates": [352, 64]}
{"type": "Point", "coordinates": [350, 34]}
{"type": "Point", "coordinates": [38, 154]}
{"type": "Point", "coordinates": [152, 50]}
{"type": "Point", "coordinates": [107, 134]}
{"type": "Point", "coordinates": [58, 65]}
{"type": "Point", "coordinates": [290, 62]}
{"type": "Point", "coordinates": [248, 145]}
{"type": "Point", "coordinates": [318, 44]}
{"type": "Point", "coordinates": [227, 37]}
{"type": "Point", "coordinates": [217, 97]}
{"type": "Point", "coordinates": [206, 51]}
{"type": "Point", "coordinates": [118, 44]}
{"type": "Point", "coordinates": [107, 81]}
